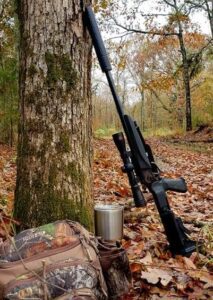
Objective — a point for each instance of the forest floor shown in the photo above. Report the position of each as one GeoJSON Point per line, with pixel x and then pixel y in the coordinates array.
{"type": "Point", "coordinates": [156, 274]}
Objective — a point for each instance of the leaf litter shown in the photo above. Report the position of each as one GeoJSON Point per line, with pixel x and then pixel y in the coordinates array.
{"type": "Point", "coordinates": [156, 274]}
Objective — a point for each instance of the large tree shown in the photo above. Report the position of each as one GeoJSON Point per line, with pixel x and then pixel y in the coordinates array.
{"type": "Point", "coordinates": [54, 146]}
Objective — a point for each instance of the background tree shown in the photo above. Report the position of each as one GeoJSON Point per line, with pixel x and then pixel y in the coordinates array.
{"type": "Point", "coordinates": [8, 73]}
{"type": "Point", "coordinates": [54, 145]}
{"type": "Point", "coordinates": [176, 13]}
{"type": "Point", "coordinates": [203, 5]}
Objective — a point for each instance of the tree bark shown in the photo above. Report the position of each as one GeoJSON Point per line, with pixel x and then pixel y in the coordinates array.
{"type": "Point", "coordinates": [209, 9]}
{"type": "Point", "coordinates": [186, 79]}
{"type": "Point", "coordinates": [54, 146]}
{"type": "Point", "coordinates": [186, 76]}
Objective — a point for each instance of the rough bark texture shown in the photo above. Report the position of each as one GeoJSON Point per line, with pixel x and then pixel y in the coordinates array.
{"type": "Point", "coordinates": [186, 77]}
{"type": "Point", "coordinates": [209, 9]}
{"type": "Point", "coordinates": [116, 269]}
{"type": "Point", "coordinates": [186, 80]}
{"type": "Point", "coordinates": [54, 150]}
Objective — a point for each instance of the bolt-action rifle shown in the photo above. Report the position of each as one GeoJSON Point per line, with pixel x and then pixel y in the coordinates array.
{"type": "Point", "coordinates": [139, 162]}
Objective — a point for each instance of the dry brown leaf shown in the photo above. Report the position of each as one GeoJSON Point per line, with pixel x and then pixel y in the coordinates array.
{"type": "Point", "coordinates": [147, 260]}
{"type": "Point", "coordinates": [189, 263]}
{"type": "Point", "coordinates": [135, 267]}
{"type": "Point", "coordinates": [154, 275]}
{"type": "Point", "coordinates": [163, 293]}
{"type": "Point", "coordinates": [203, 276]}
{"type": "Point", "coordinates": [151, 277]}
{"type": "Point", "coordinates": [208, 281]}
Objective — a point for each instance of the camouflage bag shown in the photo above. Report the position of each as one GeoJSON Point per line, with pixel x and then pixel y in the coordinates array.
{"type": "Point", "coordinates": [55, 261]}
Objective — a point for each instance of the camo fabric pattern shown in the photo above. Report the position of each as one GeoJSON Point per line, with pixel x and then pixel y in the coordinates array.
{"type": "Point", "coordinates": [55, 261]}
{"type": "Point", "coordinates": [58, 281]}
{"type": "Point", "coordinates": [36, 240]}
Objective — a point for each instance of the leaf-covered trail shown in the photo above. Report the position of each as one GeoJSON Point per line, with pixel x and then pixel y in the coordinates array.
{"type": "Point", "coordinates": [156, 274]}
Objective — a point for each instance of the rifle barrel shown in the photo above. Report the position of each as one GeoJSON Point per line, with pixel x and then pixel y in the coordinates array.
{"type": "Point", "coordinates": [116, 98]}
{"type": "Point", "coordinates": [103, 60]}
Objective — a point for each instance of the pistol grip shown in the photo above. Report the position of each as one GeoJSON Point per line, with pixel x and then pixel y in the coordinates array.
{"type": "Point", "coordinates": [176, 185]}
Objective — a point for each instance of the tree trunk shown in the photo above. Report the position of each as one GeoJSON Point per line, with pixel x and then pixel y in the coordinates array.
{"type": "Point", "coordinates": [209, 9]}
{"type": "Point", "coordinates": [186, 77]}
{"type": "Point", "coordinates": [186, 80]}
{"type": "Point", "coordinates": [142, 94]}
{"type": "Point", "coordinates": [54, 146]}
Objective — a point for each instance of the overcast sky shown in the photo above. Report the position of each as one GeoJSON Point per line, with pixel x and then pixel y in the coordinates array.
{"type": "Point", "coordinates": [202, 21]}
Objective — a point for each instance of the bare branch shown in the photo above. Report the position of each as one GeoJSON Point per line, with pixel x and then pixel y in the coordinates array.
{"type": "Point", "coordinates": [170, 4]}
{"type": "Point", "coordinates": [155, 15]}
{"type": "Point", "coordinates": [144, 31]}
{"type": "Point", "coordinates": [118, 36]}
{"type": "Point", "coordinates": [159, 99]}
{"type": "Point", "coordinates": [197, 56]}
{"type": "Point", "coordinates": [196, 5]}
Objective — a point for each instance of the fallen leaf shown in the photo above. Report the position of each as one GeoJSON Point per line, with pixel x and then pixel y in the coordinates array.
{"type": "Point", "coordinates": [147, 260]}
{"type": "Point", "coordinates": [135, 267]}
{"type": "Point", "coordinates": [154, 275]}
{"type": "Point", "coordinates": [151, 277]}
{"type": "Point", "coordinates": [208, 280]}
{"type": "Point", "coordinates": [189, 263]}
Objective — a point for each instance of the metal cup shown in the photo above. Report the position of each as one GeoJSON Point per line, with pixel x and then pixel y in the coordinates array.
{"type": "Point", "coordinates": [109, 221]}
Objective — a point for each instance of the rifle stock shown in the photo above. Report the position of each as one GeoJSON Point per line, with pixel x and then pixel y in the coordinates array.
{"type": "Point", "coordinates": [139, 162]}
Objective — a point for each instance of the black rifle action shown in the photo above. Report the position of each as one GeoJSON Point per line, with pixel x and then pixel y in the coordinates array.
{"type": "Point", "coordinates": [139, 162]}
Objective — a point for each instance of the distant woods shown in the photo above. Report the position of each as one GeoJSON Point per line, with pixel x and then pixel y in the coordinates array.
{"type": "Point", "coordinates": [8, 73]}
{"type": "Point", "coordinates": [162, 63]}
{"type": "Point", "coordinates": [149, 80]}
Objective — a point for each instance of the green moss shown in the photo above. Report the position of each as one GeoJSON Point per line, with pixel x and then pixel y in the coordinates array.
{"type": "Point", "coordinates": [63, 145]}
{"type": "Point", "coordinates": [52, 206]}
{"type": "Point", "coordinates": [49, 205]}
{"type": "Point", "coordinates": [53, 72]}
{"type": "Point", "coordinates": [69, 74]}
{"type": "Point", "coordinates": [77, 175]}
{"type": "Point", "coordinates": [86, 217]}
{"type": "Point", "coordinates": [59, 67]}
{"type": "Point", "coordinates": [72, 170]}
{"type": "Point", "coordinates": [74, 210]}
{"type": "Point", "coordinates": [52, 179]}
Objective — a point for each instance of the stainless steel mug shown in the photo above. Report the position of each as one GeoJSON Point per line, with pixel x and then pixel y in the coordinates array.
{"type": "Point", "coordinates": [109, 221]}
